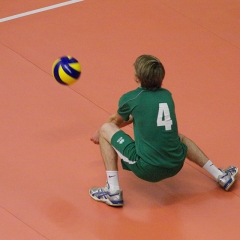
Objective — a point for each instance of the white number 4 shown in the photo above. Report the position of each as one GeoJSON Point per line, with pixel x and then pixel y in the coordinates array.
{"type": "Point", "coordinates": [164, 118]}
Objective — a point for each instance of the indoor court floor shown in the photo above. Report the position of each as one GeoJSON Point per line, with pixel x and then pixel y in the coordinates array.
{"type": "Point", "coordinates": [48, 162]}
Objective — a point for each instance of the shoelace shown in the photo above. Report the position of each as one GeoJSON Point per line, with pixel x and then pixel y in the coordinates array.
{"type": "Point", "coordinates": [101, 193]}
{"type": "Point", "coordinates": [231, 171]}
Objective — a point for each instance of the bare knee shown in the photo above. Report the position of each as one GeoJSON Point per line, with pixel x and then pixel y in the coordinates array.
{"type": "Point", "coordinates": [108, 127]}
{"type": "Point", "coordinates": [107, 130]}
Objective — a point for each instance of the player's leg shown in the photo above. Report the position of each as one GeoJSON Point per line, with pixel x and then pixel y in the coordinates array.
{"type": "Point", "coordinates": [109, 155]}
{"type": "Point", "coordinates": [194, 153]}
{"type": "Point", "coordinates": [225, 178]}
{"type": "Point", "coordinates": [111, 194]}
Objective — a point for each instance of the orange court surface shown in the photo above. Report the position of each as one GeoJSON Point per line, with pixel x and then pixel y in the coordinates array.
{"type": "Point", "coordinates": [48, 162]}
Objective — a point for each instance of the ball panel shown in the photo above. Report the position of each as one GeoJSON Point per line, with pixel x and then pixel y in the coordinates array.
{"type": "Point", "coordinates": [54, 65]}
{"type": "Point", "coordinates": [56, 71]}
{"type": "Point", "coordinates": [65, 77]}
{"type": "Point", "coordinates": [75, 66]}
{"type": "Point", "coordinates": [70, 71]}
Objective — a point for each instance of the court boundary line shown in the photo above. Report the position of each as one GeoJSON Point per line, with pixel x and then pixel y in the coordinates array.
{"type": "Point", "coordinates": [39, 10]}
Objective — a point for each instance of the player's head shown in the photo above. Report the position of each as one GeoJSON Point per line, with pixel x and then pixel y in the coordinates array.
{"type": "Point", "coordinates": [150, 72]}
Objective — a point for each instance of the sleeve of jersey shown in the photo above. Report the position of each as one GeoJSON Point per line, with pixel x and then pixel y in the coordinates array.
{"type": "Point", "coordinates": [124, 109]}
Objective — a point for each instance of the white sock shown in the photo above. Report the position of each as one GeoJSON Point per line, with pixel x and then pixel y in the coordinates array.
{"type": "Point", "coordinates": [212, 169]}
{"type": "Point", "coordinates": [112, 178]}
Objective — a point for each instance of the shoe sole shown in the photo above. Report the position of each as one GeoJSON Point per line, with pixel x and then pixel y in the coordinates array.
{"type": "Point", "coordinates": [106, 201]}
{"type": "Point", "coordinates": [233, 181]}
{"type": "Point", "coordinates": [229, 186]}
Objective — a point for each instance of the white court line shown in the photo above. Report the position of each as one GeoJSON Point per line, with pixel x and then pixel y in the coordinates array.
{"type": "Point", "coordinates": [39, 10]}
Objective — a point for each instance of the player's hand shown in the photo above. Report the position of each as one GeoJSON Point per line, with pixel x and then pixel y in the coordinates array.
{"type": "Point", "coordinates": [95, 138]}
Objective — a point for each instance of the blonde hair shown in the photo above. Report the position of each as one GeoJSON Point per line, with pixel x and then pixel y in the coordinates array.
{"type": "Point", "coordinates": [150, 71]}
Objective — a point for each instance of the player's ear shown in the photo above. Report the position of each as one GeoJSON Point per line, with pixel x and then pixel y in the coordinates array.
{"type": "Point", "coordinates": [136, 78]}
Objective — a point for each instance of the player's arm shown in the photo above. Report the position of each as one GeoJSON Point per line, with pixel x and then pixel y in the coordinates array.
{"type": "Point", "coordinates": [119, 121]}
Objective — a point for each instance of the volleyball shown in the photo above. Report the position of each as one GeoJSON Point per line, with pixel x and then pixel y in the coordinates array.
{"type": "Point", "coordinates": [66, 70]}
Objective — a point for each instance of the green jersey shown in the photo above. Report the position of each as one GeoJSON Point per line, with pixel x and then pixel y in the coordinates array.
{"type": "Point", "coordinates": [155, 126]}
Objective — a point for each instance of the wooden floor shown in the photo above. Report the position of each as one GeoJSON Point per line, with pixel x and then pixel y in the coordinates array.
{"type": "Point", "coordinates": [48, 162]}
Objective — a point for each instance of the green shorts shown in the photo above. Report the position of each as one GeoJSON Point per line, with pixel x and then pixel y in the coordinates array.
{"type": "Point", "coordinates": [126, 150]}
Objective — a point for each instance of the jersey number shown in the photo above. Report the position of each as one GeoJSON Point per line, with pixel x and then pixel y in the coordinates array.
{"type": "Point", "coordinates": [164, 118]}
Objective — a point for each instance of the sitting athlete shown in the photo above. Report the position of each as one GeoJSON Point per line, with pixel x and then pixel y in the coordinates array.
{"type": "Point", "coordinates": [158, 151]}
